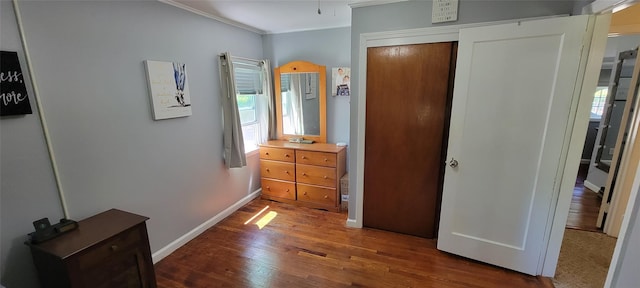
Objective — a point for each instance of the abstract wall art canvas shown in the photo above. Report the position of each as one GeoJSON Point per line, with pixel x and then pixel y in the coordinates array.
{"type": "Point", "coordinates": [168, 89]}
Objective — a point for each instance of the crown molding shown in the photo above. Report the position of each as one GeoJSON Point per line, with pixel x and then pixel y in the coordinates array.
{"type": "Point", "coordinates": [214, 17]}
{"type": "Point", "coordinates": [367, 3]}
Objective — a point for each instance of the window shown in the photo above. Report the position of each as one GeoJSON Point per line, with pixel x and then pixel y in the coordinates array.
{"type": "Point", "coordinates": [249, 83]}
{"type": "Point", "coordinates": [599, 102]}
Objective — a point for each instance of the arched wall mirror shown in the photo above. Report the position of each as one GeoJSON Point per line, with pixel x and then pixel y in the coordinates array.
{"type": "Point", "coordinates": [301, 101]}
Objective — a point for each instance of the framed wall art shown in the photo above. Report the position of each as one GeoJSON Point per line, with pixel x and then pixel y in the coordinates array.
{"type": "Point", "coordinates": [168, 89]}
{"type": "Point", "coordinates": [14, 99]}
{"type": "Point", "coordinates": [340, 81]}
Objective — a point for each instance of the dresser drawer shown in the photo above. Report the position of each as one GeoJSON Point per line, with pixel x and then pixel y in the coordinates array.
{"type": "Point", "coordinates": [277, 154]}
{"type": "Point", "coordinates": [316, 158]}
{"type": "Point", "coordinates": [278, 170]}
{"type": "Point", "coordinates": [316, 175]}
{"type": "Point", "coordinates": [318, 195]}
{"type": "Point", "coordinates": [110, 248]}
{"type": "Point", "coordinates": [277, 188]}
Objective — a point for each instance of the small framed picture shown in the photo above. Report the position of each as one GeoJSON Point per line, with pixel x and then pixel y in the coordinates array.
{"type": "Point", "coordinates": [340, 81]}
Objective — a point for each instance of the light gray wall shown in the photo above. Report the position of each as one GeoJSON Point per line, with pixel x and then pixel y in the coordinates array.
{"type": "Point", "coordinates": [88, 61]}
{"type": "Point", "coordinates": [329, 47]}
{"type": "Point", "coordinates": [417, 14]}
{"type": "Point", "coordinates": [28, 190]}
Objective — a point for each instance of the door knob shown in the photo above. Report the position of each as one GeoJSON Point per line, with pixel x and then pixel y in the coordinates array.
{"type": "Point", "coordinates": [453, 163]}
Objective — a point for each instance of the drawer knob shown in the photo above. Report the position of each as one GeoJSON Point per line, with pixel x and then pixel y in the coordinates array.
{"type": "Point", "coordinates": [287, 189]}
{"type": "Point", "coordinates": [266, 153]}
{"type": "Point", "coordinates": [325, 177]}
{"type": "Point", "coordinates": [268, 170]}
{"type": "Point", "coordinates": [286, 155]}
{"type": "Point", "coordinates": [114, 248]}
{"type": "Point", "coordinates": [286, 172]}
{"type": "Point", "coordinates": [325, 159]}
{"type": "Point", "coordinates": [304, 193]}
{"type": "Point", "coordinates": [304, 174]}
{"type": "Point", "coordinates": [325, 196]}
{"type": "Point", "coordinates": [268, 188]}
{"type": "Point", "coordinates": [304, 157]}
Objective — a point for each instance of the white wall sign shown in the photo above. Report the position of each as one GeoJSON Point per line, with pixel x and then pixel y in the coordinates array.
{"type": "Point", "coordinates": [444, 11]}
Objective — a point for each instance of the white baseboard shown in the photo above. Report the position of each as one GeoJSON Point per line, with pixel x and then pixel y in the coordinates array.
{"type": "Point", "coordinates": [593, 187]}
{"type": "Point", "coordinates": [173, 246]}
{"type": "Point", "coordinates": [352, 223]}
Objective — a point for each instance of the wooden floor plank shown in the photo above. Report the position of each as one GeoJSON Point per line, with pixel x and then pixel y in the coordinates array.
{"type": "Point", "coordinates": [304, 247]}
{"type": "Point", "coordinates": [585, 205]}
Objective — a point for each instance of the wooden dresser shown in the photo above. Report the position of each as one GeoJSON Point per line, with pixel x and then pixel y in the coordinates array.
{"type": "Point", "coordinates": [109, 250]}
{"type": "Point", "coordinates": [302, 174]}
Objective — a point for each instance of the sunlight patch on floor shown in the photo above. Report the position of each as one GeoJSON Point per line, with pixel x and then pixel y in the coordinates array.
{"type": "Point", "coordinates": [266, 219]}
{"type": "Point", "coordinates": [257, 214]}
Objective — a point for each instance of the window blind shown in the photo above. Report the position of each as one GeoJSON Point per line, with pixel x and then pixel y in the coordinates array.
{"type": "Point", "coordinates": [247, 78]}
{"type": "Point", "coordinates": [285, 82]}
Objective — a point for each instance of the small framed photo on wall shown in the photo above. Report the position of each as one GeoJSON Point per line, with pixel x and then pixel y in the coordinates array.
{"type": "Point", "coordinates": [340, 81]}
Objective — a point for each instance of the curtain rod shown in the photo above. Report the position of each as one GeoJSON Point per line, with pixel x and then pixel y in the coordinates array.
{"type": "Point", "coordinates": [243, 58]}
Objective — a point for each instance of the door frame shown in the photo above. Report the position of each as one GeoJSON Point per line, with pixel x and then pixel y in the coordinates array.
{"type": "Point", "coordinates": [630, 179]}
{"type": "Point", "coordinates": [575, 134]}
{"type": "Point", "coordinates": [620, 166]}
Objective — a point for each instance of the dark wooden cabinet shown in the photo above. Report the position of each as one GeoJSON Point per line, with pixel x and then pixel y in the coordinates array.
{"type": "Point", "coordinates": [109, 250]}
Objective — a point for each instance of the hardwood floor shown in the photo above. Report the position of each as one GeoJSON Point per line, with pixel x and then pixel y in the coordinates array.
{"type": "Point", "coordinates": [302, 247]}
{"type": "Point", "coordinates": [585, 204]}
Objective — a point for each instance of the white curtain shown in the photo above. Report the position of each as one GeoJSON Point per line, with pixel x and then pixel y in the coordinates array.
{"type": "Point", "coordinates": [297, 90]}
{"type": "Point", "coordinates": [234, 155]}
{"type": "Point", "coordinates": [267, 120]}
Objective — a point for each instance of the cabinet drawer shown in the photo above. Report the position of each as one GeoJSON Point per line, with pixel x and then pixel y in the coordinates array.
{"type": "Point", "coordinates": [316, 158]}
{"type": "Point", "coordinates": [319, 195]}
{"type": "Point", "coordinates": [278, 170]}
{"type": "Point", "coordinates": [111, 247]}
{"type": "Point", "coordinates": [316, 175]}
{"type": "Point", "coordinates": [277, 154]}
{"type": "Point", "coordinates": [276, 188]}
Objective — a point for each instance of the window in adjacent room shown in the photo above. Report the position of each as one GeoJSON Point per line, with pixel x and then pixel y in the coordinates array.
{"type": "Point", "coordinates": [599, 102]}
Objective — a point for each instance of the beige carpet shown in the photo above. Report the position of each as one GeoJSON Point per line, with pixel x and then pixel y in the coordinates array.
{"type": "Point", "coordinates": [584, 259]}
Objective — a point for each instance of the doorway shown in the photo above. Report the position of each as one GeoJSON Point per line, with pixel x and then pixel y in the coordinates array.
{"type": "Point", "coordinates": [586, 250]}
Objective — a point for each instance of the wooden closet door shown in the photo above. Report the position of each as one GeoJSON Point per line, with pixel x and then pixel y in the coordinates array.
{"type": "Point", "coordinates": [406, 120]}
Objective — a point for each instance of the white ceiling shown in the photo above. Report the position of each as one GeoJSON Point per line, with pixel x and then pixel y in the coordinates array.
{"type": "Point", "coordinates": [277, 16]}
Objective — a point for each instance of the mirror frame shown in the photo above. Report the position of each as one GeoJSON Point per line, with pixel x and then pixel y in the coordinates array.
{"type": "Point", "coordinates": [302, 67]}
